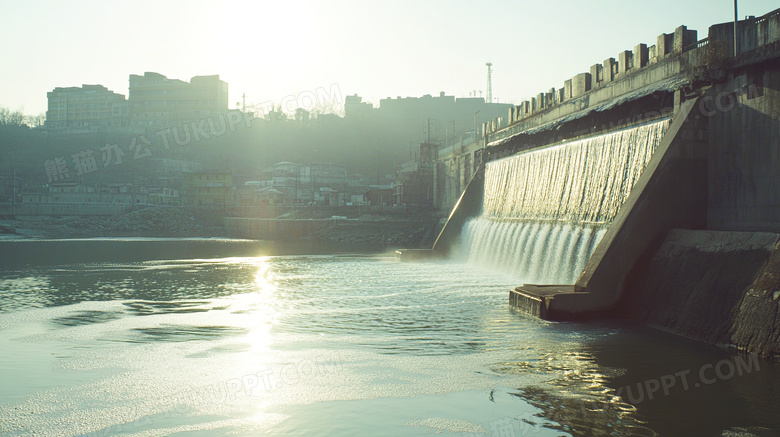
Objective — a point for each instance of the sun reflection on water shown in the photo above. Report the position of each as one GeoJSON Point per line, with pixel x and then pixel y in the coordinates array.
{"type": "Point", "coordinates": [263, 306]}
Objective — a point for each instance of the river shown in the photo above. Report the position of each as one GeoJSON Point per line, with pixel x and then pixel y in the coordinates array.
{"type": "Point", "coordinates": [285, 344]}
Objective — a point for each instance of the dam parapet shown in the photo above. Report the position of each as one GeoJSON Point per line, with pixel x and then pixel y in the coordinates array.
{"type": "Point", "coordinates": [677, 62]}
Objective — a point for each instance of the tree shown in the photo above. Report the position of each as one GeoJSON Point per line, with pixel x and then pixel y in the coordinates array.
{"type": "Point", "coordinates": [11, 118]}
{"type": "Point", "coordinates": [17, 118]}
{"type": "Point", "coordinates": [328, 107]}
{"type": "Point", "coordinates": [36, 120]}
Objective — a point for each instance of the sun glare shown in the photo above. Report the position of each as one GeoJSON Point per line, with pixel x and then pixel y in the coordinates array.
{"type": "Point", "coordinates": [258, 39]}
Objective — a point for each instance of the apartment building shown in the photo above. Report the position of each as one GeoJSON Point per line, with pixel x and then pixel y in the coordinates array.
{"type": "Point", "coordinates": [88, 108]}
{"type": "Point", "coordinates": [157, 101]}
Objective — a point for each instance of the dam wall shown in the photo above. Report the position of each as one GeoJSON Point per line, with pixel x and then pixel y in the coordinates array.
{"type": "Point", "coordinates": [642, 83]}
{"type": "Point", "coordinates": [744, 150]}
{"type": "Point", "coordinates": [713, 177]}
{"type": "Point", "coordinates": [468, 206]}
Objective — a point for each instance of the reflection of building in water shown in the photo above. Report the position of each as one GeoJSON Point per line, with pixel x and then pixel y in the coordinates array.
{"type": "Point", "coordinates": [598, 413]}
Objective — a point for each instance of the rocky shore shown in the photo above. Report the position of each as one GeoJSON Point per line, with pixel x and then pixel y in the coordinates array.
{"type": "Point", "coordinates": [366, 232]}
{"type": "Point", "coordinates": [142, 221]}
{"type": "Point", "coordinates": [379, 232]}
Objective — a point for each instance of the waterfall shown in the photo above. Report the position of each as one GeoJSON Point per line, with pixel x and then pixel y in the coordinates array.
{"type": "Point", "coordinates": [545, 210]}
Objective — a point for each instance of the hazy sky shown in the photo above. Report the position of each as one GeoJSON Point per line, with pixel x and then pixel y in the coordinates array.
{"type": "Point", "coordinates": [270, 50]}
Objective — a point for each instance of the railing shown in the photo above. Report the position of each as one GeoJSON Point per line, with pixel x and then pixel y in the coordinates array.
{"type": "Point", "coordinates": [697, 45]}
{"type": "Point", "coordinates": [766, 17]}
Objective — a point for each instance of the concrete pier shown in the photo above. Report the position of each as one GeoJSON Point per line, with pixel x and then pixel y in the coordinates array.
{"type": "Point", "coordinates": [537, 299]}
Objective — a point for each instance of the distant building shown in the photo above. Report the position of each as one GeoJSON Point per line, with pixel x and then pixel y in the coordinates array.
{"type": "Point", "coordinates": [258, 193]}
{"type": "Point", "coordinates": [208, 188]}
{"type": "Point", "coordinates": [356, 108]}
{"type": "Point", "coordinates": [157, 101]}
{"type": "Point", "coordinates": [154, 102]}
{"type": "Point", "coordinates": [325, 173]}
{"type": "Point", "coordinates": [323, 183]}
{"type": "Point", "coordinates": [440, 118]}
{"type": "Point", "coordinates": [316, 183]}
{"type": "Point", "coordinates": [269, 196]}
{"type": "Point", "coordinates": [287, 180]}
{"type": "Point", "coordinates": [77, 193]}
{"type": "Point", "coordinates": [163, 196]}
{"type": "Point", "coordinates": [381, 195]}
{"type": "Point", "coordinates": [414, 183]}
{"type": "Point", "coordinates": [89, 108]}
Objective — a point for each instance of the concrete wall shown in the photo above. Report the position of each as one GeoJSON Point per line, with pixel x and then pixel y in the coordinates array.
{"type": "Point", "coordinates": [717, 166]}
{"type": "Point", "coordinates": [744, 151]}
{"type": "Point", "coordinates": [469, 205]}
{"type": "Point", "coordinates": [718, 287]}
{"type": "Point", "coordinates": [454, 169]}
{"type": "Point", "coordinates": [751, 33]}
{"type": "Point", "coordinates": [677, 61]}
{"type": "Point", "coordinates": [671, 192]}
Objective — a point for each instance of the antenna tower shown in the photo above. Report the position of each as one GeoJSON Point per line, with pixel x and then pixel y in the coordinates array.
{"type": "Point", "coordinates": [489, 92]}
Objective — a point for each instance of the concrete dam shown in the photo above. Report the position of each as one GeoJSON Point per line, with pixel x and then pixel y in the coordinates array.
{"type": "Point", "coordinates": [647, 188]}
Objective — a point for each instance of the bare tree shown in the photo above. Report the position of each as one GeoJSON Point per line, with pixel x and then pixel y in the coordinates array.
{"type": "Point", "coordinates": [17, 118]}
{"type": "Point", "coordinates": [36, 120]}
{"type": "Point", "coordinates": [328, 107]}
{"type": "Point", "coordinates": [11, 118]}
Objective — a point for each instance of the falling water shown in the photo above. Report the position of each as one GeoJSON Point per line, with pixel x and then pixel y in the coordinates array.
{"type": "Point", "coordinates": [544, 211]}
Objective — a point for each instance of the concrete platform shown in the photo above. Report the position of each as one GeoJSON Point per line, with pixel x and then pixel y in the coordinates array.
{"type": "Point", "coordinates": [552, 302]}
{"type": "Point", "coordinates": [536, 299]}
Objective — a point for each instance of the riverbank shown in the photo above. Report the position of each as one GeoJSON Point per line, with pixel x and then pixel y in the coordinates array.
{"type": "Point", "coordinates": [385, 232]}
{"type": "Point", "coordinates": [136, 222]}
{"type": "Point", "coordinates": [367, 232]}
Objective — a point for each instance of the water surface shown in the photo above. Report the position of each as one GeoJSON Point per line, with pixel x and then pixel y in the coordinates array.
{"type": "Point", "coordinates": [337, 345]}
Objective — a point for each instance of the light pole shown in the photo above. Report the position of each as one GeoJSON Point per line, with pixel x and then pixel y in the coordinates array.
{"type": "Point", "coordinates": [736, 25]}
{"type": "Point", "coordinates": [475, 125]}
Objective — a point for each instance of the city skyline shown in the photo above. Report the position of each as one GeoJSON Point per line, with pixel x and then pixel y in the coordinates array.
{"type": "Point", "coordinates": [376, 50]}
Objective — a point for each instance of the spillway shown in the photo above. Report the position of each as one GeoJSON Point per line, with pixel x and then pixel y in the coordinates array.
{"type": "Point", "coordinates": [545, 210]}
